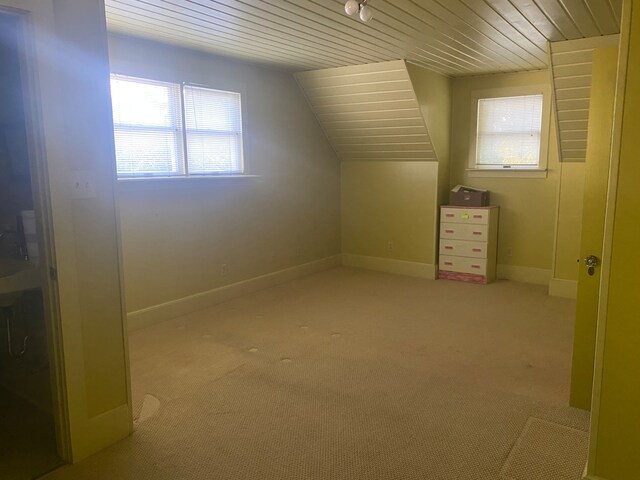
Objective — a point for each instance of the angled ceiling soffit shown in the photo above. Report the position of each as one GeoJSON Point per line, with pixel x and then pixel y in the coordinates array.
{"type": "Point", "coordinates": [571, 70]}
{"type": "Point", "coordinates": [369, 112]}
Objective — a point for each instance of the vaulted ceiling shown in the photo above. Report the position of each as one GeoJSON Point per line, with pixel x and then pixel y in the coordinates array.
{"type": "Point", "coordinates": [453, 37]}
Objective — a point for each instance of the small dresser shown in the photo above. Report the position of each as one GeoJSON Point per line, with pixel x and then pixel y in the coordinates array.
{"type": "Point", "coordinates": [468, 243]}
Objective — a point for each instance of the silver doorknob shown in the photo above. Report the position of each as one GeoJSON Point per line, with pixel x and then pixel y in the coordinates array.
{"type": "Point", "coordinates": [591, 261]}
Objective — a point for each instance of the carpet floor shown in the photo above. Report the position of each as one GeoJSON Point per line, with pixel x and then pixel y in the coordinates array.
{"type": "Point", "coordinates": [351, 374]}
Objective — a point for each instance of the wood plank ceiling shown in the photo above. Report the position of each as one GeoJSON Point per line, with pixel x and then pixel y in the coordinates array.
{"type": "Point", "coordinates": [452, 37]}
{"type": "Point", "coordinates": [369, 112]}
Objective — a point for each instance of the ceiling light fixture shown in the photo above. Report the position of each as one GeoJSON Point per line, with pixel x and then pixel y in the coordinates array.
{"type": "Point", "coordinates": [360, 7]}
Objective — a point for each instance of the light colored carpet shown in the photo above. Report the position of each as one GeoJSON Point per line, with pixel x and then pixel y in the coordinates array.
{"type": "Point", "coordinates": [347, 374]}
{"type": "Point", "coordinates": [547, 451]}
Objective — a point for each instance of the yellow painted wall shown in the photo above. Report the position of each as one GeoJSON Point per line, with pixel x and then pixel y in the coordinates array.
{"type": "Point", "coordinates": [433, 92]}
{"type": "Point", "coordinates": [186, 229]}
{"type": "Point", "coordinates": [527, 205]}
{"type": "Point", "coordinates": [386, 202]}
{"type": "Point", "coordinates": [569, 221]}
{"type": "Point", "coordinates": [618, 423]}
{"type": "Point", "coordinates": [390, 208]}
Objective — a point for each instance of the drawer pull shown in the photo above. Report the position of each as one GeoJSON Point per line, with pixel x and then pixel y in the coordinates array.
{"type": "Point", "coordinates": [449, 215]}
{"type": "Point", "coordinates": [448, 263]}
{"type": "Point", "coordinates": [477, 233]}
{"type": "Point", "coordinates": [447, 247]}
{"type": "Point", "coordinates": [448, 231]}
{"type": "Point", "coordinates": [475, 266]}
{"type": "Point", "coordinates": [476, 249]}
{"type": "Point", "coordinates": [477, 216]}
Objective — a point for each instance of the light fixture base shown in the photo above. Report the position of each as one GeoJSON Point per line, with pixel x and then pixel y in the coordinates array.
{"type": "Point", "coordinates": [360, 8]}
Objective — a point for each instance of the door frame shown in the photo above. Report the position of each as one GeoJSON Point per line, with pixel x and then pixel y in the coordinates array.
{"type": "Point", "coordinates": [623, 51]}
{"type": "Point", "coordinates": [36, 20]}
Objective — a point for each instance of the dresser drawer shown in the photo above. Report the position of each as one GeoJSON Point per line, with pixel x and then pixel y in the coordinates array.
{"type": "Point", "coordinates": [463, 248]}
{"type": "Point", "coordinates": [463, 264]}
{"type": "Point", "coordinates": [464, 215]}
{"type": "Point", "coordinates": [463, 231]}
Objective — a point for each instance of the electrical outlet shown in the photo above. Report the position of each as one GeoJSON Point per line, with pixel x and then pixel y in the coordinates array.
{"type": "Point", "coordinates": [390, 246]}
{"type": "Point", "coordinates": [223, 269]}
{"type": "Point", "coordinates": [298, 252]}
{"type": "Point", "coordinates": [83, 184]}
{"type": "Point", "coordinates": [509, 252]}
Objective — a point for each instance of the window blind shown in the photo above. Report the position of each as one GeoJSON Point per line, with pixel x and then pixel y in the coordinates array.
{"type": "Point", "coordinates": [147, 127]}
{"type": "Point", "coordinates": [213, 126]}
{"type": "Point", "coordinates": [509, 131]}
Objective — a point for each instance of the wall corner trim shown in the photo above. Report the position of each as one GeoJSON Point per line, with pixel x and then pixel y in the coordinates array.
{"type": "Point", "coordinates": [559, 287]}
{"type": "Point", "coordinates": [537, 276]}
{"type": "Point", "coordinates": [199, 301]}
{"type": "Point", "coordinates": [390, 265]}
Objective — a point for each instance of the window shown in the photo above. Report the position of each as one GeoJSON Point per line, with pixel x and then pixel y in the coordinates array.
{"type": "Point", "coordinates": [147, 126]}
{"type": "Point", "coordinates": [166, 129]}
{"type": "Point", "coordinates": [510, 131]}
{"type": "Point", "coordinates": [213, 130]}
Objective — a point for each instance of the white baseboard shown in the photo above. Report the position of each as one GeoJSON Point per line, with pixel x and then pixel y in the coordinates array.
{"type": "Point", "coordinates": [538, 276]}
{"type": "Point", "coordinates": [182, 306]}
{"type": "Point", "coordinates": [559, 287]}
{"type": "Point", "coordinates": [592, 477]}
{"type": "Point", "coordinates": [389, 265]}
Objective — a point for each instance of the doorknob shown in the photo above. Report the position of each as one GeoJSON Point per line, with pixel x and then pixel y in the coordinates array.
{"type": "Point", "coordinates": [591, 261]}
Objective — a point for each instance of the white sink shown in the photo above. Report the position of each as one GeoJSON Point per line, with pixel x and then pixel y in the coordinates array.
{"type": "Point", "coordinates": [16, 276]}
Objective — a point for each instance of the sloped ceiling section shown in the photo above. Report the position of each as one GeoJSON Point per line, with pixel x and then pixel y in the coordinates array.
{"type": "Point", "coordinates": [369, 112]}
{"type": "Point", "coordinates": [571, 63]}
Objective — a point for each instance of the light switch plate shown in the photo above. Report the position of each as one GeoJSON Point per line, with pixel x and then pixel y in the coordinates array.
{"type": "Point", "coordinates": [83, 184]}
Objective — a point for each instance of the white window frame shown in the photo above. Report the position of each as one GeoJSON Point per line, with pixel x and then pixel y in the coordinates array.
{"type": "Point", "coordinates": [540, 171]}
{"type": "Point", "coordinates": [185, 173]}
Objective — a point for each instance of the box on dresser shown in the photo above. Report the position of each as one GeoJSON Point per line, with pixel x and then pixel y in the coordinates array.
{"type": "Point", "coordinates": [468, 243]}
{"type": "Point", "coordinates": [464, 196]}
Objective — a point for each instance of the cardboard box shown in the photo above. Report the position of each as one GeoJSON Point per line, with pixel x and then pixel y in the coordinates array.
{"type": "Point", "coordinates": [468, 197]}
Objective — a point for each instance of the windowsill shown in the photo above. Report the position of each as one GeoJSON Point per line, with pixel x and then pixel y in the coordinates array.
{"type": "Point", "coordinates": [151, 182]}
{"type": "Point", "coordinates": [507, 172]}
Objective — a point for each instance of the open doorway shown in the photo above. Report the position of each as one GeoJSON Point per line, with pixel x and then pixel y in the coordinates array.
{"type": "Point", "coordinates": [29, 445]}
